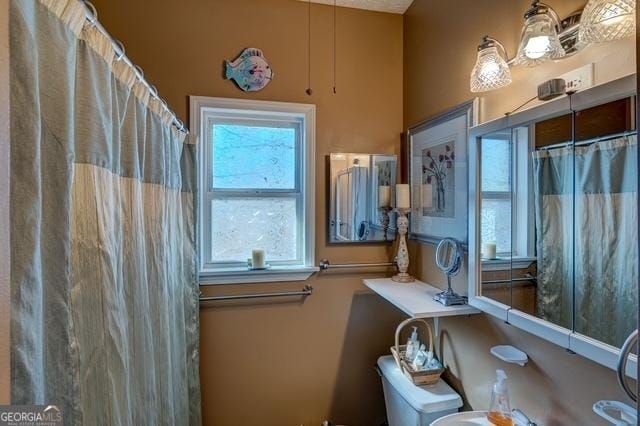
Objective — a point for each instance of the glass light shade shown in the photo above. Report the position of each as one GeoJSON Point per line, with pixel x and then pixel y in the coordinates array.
{"type": "Point", "coordinates": [539, 41]}
{"type": "Point", "coordinates": [490, 71]}
{"type": "Point", "coordinates": [607, 20]}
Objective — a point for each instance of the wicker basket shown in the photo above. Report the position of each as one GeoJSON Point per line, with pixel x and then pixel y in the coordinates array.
{"type": "Point", "coordinates": [419, 378]}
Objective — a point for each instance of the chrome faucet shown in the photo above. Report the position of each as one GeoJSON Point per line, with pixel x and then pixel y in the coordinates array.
{"type": "Point", "coordinates": [521, 419]}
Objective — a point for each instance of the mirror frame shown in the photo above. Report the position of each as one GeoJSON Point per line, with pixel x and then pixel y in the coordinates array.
{"type": "Point", "coordinates": [453, 269]}
{"type": "Point", "coordinates": [589, 348]}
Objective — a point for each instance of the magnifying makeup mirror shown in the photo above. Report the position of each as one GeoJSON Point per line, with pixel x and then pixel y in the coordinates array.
{"type": "Point", "coordinates": [449, 259]}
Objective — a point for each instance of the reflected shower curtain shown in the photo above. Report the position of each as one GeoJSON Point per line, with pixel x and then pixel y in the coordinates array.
{"type": "Point", "coordinates": [605, 238]}
{"type": "Point", "coordinates": [104, 293]}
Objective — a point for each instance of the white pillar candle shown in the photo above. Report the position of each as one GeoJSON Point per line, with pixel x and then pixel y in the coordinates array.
{"type": "Point", "coordinates": [489, 250]}
{"type": "Point", "coordinates": [257, 259]}
{"type": "Point", "coordinates": [403, 196]}
{"type": "Point", "coordinates": [384, 196]}
{"type": "Point", "coordinates": [427, 196]}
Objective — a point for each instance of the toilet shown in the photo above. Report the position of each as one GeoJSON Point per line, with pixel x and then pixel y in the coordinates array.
{"type": "Point", "coordinates": [411, 405]}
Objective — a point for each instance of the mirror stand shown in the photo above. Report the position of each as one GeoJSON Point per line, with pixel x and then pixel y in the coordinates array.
{"type": "Point", "coordinates": [450, 297]}
{"type": "Point", "coordinates": [448, 259]}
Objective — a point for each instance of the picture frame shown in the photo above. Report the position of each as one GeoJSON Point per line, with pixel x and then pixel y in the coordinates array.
{"type": "Point", "coordinates": [438, 173]}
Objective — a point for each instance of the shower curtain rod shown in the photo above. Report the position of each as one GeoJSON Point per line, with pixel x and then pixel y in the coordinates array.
{"type": "Point", "coordinates": [92, 17]}
{"type": "Point", "coordinates": [590, 141]}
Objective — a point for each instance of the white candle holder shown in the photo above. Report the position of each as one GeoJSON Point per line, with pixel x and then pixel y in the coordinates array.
{"type": "Point", "coordinates": [402, 257]}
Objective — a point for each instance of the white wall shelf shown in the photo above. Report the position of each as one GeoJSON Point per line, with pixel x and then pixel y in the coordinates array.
{"type": "Point", "coordinates": [416, 299]}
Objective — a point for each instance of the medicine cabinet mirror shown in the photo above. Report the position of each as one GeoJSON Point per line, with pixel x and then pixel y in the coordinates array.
{"type": "Point", "coordinates": [362, 195]}
{"type": "Point", "coordinates": [553, 227]}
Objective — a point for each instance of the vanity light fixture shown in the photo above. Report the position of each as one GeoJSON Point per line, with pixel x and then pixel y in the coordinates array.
{"type": "Point", "coordinates": [491, 70]}
{"type": "Point", "coordinates": [539, 41]}
{"type": "Point", "coordinates": [607, 20]}
{"type": "Point", "coordinates": [545, 37]}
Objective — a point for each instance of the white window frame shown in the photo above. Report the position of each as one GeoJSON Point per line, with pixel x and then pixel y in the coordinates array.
{"type": "Point", "coordinates": [508, 195]}
{"type": "Point", "coordinates": [204, 111]}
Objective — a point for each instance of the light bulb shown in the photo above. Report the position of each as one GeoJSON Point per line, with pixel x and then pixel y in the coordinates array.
{"type": "Point", "coordinates": [491, 70]}
{"type": "Point", "coordinates": [539, 41]}
{"type": "Point", "coordinates": [537, 47]}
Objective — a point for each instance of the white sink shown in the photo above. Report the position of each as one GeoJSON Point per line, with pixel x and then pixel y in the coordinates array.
{"type": "Point", "coordinates": [475, 418]}
{"type": "Point", "coordinates": [465, 418]}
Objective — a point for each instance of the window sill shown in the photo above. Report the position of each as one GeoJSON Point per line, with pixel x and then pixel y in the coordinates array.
{"type": "Point", "coordinates": [506, 263]}
{"type": "Point", "coordinates": [245, 276]}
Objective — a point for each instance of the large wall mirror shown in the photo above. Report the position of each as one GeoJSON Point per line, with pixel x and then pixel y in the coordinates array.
{"type": "Point", "coordinates": [361, 192]}
{"type": "Point", "coordinates": [553, 228]}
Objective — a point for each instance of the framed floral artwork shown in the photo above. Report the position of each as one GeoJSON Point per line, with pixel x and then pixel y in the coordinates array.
{"type": "Point", "coordinates": [438, 174]}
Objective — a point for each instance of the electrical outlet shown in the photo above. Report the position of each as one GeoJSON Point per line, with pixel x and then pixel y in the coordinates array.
{"type": "Point", "coordinates": [578, 79]}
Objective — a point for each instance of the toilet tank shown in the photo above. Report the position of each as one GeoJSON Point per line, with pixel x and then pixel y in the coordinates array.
{"type": "Point", "coordinates": [411, 405]}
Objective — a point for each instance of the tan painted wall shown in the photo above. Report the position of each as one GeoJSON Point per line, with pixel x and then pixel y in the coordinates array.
{"type": "Point", "coordinates": [555, 388]}
{"type": "Point", "coordinates": [286, 363]}
{"type": "Point", "coordinates": [5, 251]}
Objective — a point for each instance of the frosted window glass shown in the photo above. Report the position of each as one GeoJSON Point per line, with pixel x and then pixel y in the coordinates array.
{"type": "Point", "coordinates": [496, 224]}
{"type": "Point", "coordinates": [496, 165]}
{"type": "Point", "coordinates": [246, 157]}
{"type": "Point", "coordinates": [242, 224]}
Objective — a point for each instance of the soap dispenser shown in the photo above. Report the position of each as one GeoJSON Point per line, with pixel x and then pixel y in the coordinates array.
{"type": "Point", "coordinates": [412, 345]}
{"type": "Point", "coordinates": [500, 409]}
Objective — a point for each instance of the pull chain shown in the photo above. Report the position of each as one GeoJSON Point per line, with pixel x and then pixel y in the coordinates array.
{"type": "Point", "coordinates": [334, 47]}
{"type": "Point", "coordinates": [309, 91]}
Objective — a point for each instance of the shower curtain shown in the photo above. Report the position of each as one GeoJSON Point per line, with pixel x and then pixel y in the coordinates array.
{"type": "Point", "coordinates": [604, 238]}
{"type": "Point", "coordinates": [104, 320]}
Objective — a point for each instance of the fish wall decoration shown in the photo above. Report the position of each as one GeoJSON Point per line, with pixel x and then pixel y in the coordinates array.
{"type": "Point", "coordinates": [250, 71]}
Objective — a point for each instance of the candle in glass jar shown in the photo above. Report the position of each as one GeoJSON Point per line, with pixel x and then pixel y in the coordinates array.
{"type": "Point", "coordinates": [403, 196]}
{"type": "Point", "coordinates": [257, 259]}
{"type": "Point", "coordinates": [384, 196]}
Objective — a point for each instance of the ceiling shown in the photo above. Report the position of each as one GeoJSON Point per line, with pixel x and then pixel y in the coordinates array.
{"type": "Point", "coordinates": [390, 6]}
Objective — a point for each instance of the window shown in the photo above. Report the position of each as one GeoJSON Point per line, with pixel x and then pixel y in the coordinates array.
{"type": "Point", "coordinates": [496, 193]}
{"type": "Point", "coordinates": [256, 176]}
{"type": "Point", "coordinates": [506, 193]}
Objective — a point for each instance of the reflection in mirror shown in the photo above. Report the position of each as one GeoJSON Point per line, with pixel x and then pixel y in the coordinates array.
{"type": "Point", "coordinates": [580, 222]}
{"type": "Point", "coordinates": [523, 255]}
{"type": "Point", "coordinates": [605, 229]}
{"type": "Point", "coordinates": [553, 176]}
{"type": "Point", "coordinates": [496, 175]}
{"type": "Point", "coordinates": [361, 191]}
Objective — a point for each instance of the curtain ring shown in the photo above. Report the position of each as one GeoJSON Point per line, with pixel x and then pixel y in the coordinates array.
{"type": "Point", "coordinates": [119, 48]}
{"type": "Point", "coordinates": [139, 70]}
{"type": "Point", "coordinates": [153, 90]}
{"type": "Point", "coordinates": [165, 105]}
{"type": "Point", "coordinates": [179, 124]}
{"type": "Point", "coordinates": [93, 19]}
